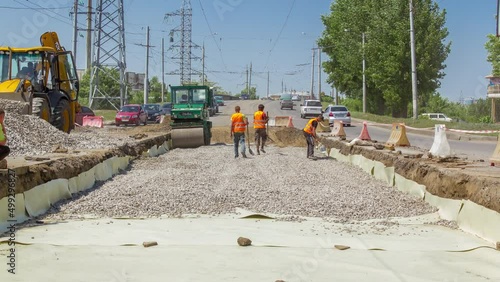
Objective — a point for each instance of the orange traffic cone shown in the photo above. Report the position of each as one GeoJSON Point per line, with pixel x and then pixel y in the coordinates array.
{"type": "Point", "coordinates": [290, 123]}
{"type": "Point", "coordinates": [364, 133]}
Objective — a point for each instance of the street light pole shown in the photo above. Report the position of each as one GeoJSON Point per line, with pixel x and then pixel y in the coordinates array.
{"type": "Point", "coordinates": [364, 74]}
{"type": "Point", "coordinates": [413, 64]}
{"type": "Point", "coordinates": [203, 64]}
{"type": "Point", "coordinates": [312, 74]}
{"type": "Point", "coordinates": [319, 73]}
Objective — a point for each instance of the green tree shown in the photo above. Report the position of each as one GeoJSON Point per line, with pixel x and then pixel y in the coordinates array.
{"type": "Point", "coordinates": [108, 84]}
{"type": "Point", "coordinates": [493, 48]}
{"type": "Point", "coordinates": [253, 93]}
{"type": "Point", "coordinates": [385, 24]}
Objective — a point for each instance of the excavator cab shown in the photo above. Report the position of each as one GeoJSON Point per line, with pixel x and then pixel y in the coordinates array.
{"type": "Point", "coordinates": [44, 78]}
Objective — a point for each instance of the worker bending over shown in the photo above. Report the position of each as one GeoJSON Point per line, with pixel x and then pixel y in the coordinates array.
{"type": "Point", "coordinates": [310, 134]}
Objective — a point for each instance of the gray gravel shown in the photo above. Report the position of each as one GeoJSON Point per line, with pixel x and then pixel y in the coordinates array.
{"type": "Point", "coordinates": [208, 180]}
{"type": "Point", "coordinates": [30, 135]}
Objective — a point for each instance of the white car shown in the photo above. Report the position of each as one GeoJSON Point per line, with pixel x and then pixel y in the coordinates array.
{"type": "Point", "coordinates": [437, 116]}
{"type": "Point", "coordinates": [311, 108]}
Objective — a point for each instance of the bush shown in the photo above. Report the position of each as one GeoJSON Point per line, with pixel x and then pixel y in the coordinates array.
{"type": "Point", "coordinates": [354, 105]}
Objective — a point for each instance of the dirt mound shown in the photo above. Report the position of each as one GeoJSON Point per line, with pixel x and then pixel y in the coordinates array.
{"type": "Point", "coordinates": [278, 136]}
{"type": "Point", "coordinates": [287, 137]}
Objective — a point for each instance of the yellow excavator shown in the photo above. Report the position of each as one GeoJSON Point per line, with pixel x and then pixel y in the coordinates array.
{"type": "Point", "coordinates": [44, 78]}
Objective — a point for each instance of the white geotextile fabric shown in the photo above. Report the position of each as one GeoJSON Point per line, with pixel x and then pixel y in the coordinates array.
{"type": "Point", "coordinates": [205, 249]}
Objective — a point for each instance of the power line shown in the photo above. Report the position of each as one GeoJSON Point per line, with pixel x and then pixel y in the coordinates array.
{"type": "Point", "coordinates": [212, 34]}
{"type": "Point", "coordinates": [29, 8]}
{"type": "Point", "coordinates": [42, 11]}
{"type": "Point", "coordinates": [279, 34]}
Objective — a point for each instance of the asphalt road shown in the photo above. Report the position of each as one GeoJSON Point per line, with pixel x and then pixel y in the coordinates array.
{"type": "Point", "coordinates": [462, 148]}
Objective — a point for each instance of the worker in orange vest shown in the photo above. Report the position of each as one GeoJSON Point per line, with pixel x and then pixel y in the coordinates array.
{"type": "Point", "coordinates": [310, 134]}
{"type": "Point", "coordinates": [4, 149]}
{"type": "Point", "coordinates": [260, 120]}
{"type": "Point", "coordinates": [239, 122]}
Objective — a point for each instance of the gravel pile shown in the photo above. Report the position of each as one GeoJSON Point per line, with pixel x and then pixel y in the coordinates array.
{"type": "Point", "coordinates": [30, 135]}
{"type": "Point", "coordinates": [13, 106]}
{"type": "Point", "coordinates": [208, 180]}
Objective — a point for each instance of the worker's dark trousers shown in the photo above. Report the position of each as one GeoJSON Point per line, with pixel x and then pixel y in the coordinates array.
{"type": "Point", "coordinates": [4, 152]}
{"type": "Point", "coordinates": [310, 144]}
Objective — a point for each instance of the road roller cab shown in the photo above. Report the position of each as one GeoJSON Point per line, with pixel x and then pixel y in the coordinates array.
{"type": "Point", "coordinates": [190, 114]}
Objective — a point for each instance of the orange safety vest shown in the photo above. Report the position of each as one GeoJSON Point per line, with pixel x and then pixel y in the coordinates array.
{"type": "Point", "coordinates": [258, 119]}
{"type": "Point", "coordinates": [238, 122]}
{"type": "Point", "coordinates": [309, 126]}
{"type": "Point", "coordinates": [2, 136]}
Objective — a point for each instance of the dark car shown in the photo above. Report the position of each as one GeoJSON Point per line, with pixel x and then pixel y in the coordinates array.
{"type": "Point", "coordinates": [166, 109]}
{"type": "Point", "coordinates": [153, 111]}
{"type": "Point", "coordinates": [219, 100]}
{"type": "Point", "coordinates": [287, 104]}
{"type": "Point", "coordinates": [85, 111]}
{"type": "Point", "coordinates": [131, 114]}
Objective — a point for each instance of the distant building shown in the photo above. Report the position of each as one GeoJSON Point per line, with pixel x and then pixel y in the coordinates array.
{"type": "Point", "coordinates": [80, 73]}
{"type": "Point", "coordinates": [469, 101]}
{"type": "Point", "coordinates": [135, 80]}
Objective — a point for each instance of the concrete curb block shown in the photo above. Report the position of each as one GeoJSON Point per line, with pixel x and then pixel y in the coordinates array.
{"type": "Point", "coordinates": [470, 217]}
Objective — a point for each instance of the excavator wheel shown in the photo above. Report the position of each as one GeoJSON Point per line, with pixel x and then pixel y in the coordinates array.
{"type": "Point", "coordinates": [41, 108]}
{"type": "Point", "coordinates": [62, 116]}
{"type": "Point", "coordinates": [188, 137]}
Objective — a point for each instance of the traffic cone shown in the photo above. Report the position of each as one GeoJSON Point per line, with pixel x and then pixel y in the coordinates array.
{"type": "Point", "coordinates": [290, 123]}
{"type": "Point", "coordinates": [364, 133]}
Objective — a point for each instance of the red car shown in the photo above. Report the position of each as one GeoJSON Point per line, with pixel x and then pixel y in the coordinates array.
{"type": "Point", "coordinates": [131, 114]}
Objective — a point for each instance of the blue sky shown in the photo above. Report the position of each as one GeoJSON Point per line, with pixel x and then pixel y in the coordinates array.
{"type": "Point", "coordinates": [253, 31]}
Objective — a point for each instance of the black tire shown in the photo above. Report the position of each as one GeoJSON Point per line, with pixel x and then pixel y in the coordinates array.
{"type": "Point", "coordinates": [62, 116]}
{"type": "Point", "coordinates": [117, 124]}
{"type": "Point", "coordinates": [41, 108]}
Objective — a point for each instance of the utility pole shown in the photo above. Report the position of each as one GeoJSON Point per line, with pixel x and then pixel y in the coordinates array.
{"type": "Point", "coordinates": [247, 82]}
{"type": "Point", "coordinates": [250, 82]}
{"type": "Point", "coordinates": [203, 64]}
{"type": "Point", "coordinates": [163, 70]}
{"type": "Point", "coordinates": [89, 35]}
{"type": "Point", "coordinates": [413, 64]}
{"type": "Point", "coordinates": [75, 28]}
{"type": "Point", "coordinates": [146, 72]}
{"type": "Point", "coordinates": [312, 74]}
{"type": "Point", "coordinates": [267, 84]}
{"type": "Point", "coordinates": [319, 73]}
{"type": "Point", "coordinates": [364, 74]}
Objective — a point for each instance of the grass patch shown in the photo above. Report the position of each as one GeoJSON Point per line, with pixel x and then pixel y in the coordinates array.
{"type": "Point", "coordinates": [108, 115]}
{"type": "Point", "coordinates": [424, 123]}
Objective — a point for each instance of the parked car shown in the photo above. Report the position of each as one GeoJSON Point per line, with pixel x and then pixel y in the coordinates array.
{"type": "Point", "coordinates": [339, 113]}
{"type": "Point", "coordinates": [152, 110]}
{"type": "Point", "coordinates": [166, 109]}
{"type": "Point", "coordinates": [85, 111]}
{"type": "Point", "coordinates": [131, 114]}
{"type": "Point", "coordinates": [219, 100]}
{"type": "Point", "coordinates": [437, 116]}
{"type": "Point", "coordinates": [310, 108]}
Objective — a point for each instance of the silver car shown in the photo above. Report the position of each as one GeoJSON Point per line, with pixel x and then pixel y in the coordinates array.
{"type": "Point", "coordinates": [337, 112]}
